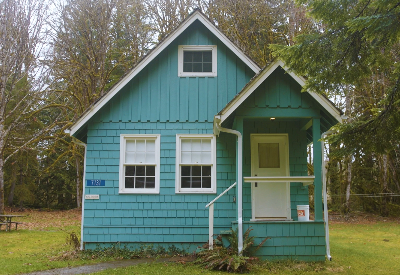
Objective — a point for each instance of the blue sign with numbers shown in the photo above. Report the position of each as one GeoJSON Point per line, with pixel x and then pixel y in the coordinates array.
{"type": "Point", "coordinates": [95, 183]}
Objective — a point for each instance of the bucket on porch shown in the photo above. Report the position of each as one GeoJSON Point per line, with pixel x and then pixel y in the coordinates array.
{"type": "Point", "coordinates": [303, 213]}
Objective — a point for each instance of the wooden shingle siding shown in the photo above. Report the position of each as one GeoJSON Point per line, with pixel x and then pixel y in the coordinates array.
{"type": "Point", "coordinates": [149, 217]}
{"type": "Point", "coordinates": [288, 240]}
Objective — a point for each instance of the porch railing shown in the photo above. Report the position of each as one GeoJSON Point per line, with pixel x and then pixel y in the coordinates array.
{"type": "Point", "coordinates": [211, 217]}
{"type": "Point", "coordinates": [306, 180]}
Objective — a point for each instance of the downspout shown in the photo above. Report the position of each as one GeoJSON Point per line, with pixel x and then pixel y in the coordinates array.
{"type": "Point", "coordinates": [83, 188]}
{"type": "Point", "coordinates": [239, 181]}
{"type": "Point", "coordinates": [328, 249]}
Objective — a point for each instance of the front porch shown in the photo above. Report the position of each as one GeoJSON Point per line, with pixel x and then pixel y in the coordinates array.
{"type": "Point", "coordinates": [274, 122]}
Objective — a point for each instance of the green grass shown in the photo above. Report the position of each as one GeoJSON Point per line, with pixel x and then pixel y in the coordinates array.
{"type": "Point", "coordinates": [363, 248]}
{"type": "Point", "coordinates": [356, 249]}
{"type": "Point", "coordinates": [32, 250]}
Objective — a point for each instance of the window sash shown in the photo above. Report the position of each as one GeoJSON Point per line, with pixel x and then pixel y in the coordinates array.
{"type": "Point", "coordinates": [139, 164]}
{"type": "Point", "coordinates": [197, 61]}
{"type": "Point", "coordinates": [195, 164]}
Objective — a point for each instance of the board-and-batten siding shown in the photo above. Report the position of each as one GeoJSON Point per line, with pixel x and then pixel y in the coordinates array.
{"type": "Point", "coordinates": [158, 94]}
{"type": "Point", "coordinates": [157, 101]}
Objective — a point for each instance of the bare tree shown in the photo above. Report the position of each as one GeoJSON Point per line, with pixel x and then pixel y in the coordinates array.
{"type": "Point", "coordinates": [21, 37]}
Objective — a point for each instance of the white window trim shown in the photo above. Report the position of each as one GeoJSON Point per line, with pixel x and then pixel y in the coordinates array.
{"type": "Point", "coordinates": [213, 188]}
{"type": "Point", "coordinates": [182, 48]}
{"type": "Point", "coordinates": [122, 189]}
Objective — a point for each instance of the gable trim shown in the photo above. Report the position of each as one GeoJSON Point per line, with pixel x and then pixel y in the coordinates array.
{"type": "Point", "coordinates": [256, 82]}
{"type": "Point", "coordinates": [197, 15]}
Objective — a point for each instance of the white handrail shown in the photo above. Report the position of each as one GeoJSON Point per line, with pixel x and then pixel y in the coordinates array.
{"type": "Point", "coordinates": [211, 217]}
{"type": "Point", "coordinates": [220, 195]}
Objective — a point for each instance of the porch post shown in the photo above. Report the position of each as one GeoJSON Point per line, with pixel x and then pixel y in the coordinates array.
{"type": "Point", "coordinates": [317, 156]}
{"type": "Point", "coordinates": [239, 180]}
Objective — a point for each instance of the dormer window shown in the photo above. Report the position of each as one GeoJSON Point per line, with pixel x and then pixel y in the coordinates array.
{"type": "Point", "coordinates": [197, 61]}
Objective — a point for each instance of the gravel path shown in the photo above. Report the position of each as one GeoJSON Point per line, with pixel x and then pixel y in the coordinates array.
{"type": "Point", "coordinates": [87, 269]}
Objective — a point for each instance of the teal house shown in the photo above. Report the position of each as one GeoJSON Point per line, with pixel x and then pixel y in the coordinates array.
{"type": "Point", "coordinates": [197, 140]}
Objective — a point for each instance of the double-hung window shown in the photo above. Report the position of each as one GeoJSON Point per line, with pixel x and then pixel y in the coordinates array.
{"type": "Point", "coordinates": [139, 164]}
{"type": "Point", "coordinates": [197, 61]}
{"type": "Point", "coordinates": [195, 164]}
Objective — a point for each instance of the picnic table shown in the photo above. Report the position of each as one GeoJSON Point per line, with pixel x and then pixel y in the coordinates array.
{"type": "Point", "coordinates": [7, 221]}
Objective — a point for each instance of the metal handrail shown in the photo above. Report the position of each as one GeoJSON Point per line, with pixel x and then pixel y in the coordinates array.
{"type": "Point", "coordinates": [220, 195]}
{"type": "Point", "coordinates": [211, 217]}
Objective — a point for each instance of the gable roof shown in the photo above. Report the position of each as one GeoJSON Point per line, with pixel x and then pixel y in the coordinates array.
{"type": "Point", "coordinates": [196, 15]}
{"type": "Point", "coordinates": [259, 78]}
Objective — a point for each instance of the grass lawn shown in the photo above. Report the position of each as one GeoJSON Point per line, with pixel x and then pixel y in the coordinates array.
{"type": "Point", "coordinates": [363, 245]}
{"type": "Point", "coordinates": [41, 237]}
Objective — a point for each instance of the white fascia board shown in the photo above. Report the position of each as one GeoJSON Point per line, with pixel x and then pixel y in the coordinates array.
{"type": "Point", "coordinates": [319, 98]}
{"type": "Point", "coordinates": [124, 81]}
{"type": "Point", "coordinates": [260, 79]}
{"type": "Point", "coordinates": [249, 90]}
{"type": "Point", "coordinates": [228, 43]}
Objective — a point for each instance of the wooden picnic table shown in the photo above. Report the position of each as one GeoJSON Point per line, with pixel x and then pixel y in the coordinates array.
{"type": "Point", "coordinates": [7, 221]}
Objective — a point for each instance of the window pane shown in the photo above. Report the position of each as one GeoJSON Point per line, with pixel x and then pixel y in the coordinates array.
{"type": "Point", "coordinates": [268, 155]}
{"type": "Point", "coordinates": [196, 157]}
{"type": "Point", "coordinates": [187, 56]}
{"type": "Point", "coordinates": [196, 182]}
{"type": "Point", "coordinates": [206, 171]}
{"type": "Point", "coordinates": [140, 157]}
{"type": "Point", "coordinates": [130, 145]}
{"type": "Point", "coordinates": [186, 157]}
{"type": "Point", "coordinates": [139, 182]}
{"type": "Point", "coordinates": [150, 145]}
{"type": "Point", "coordinates": [206, 182]}
{"type": "Point", "coordinates": [196, 170]}
{"type": "Point", "coordinates": [150, 171]}
{"type": "Point", "coordinates": [197, 56]}
{"type": "Point", "coordinates": [185, 171]}
{"type": "Point", "coordinates": [140, 145]}
{"type": "Point", "coordinates": [186, 144]}
{"type": "Point", "coordinates": [207, 56]}
{"type": "Point", "coordinates": [185, 182]}
{"type": "Point", "coordinates": [129, 170]}
{"type": "Point", "coordinates": [207, 67]}
{"type": "Point", "coordinates": [206, 145]}
{"type": "Point", "coordinates": [150, 157]}
{"type": "Point", "coordinates": [205, 157]}
{"type": "Point", "coordinates": [129, 182]}
{"type": "Point", "coordinates": [140, 170]}
{"type": "Point", "coordinates": [150, 182]}
{"type": "Point", "coordinates": [197, 67]}
{"type": "Point", "coordinates": [196, 144]}
{"type": "Point", "coordinates": [187, 67]}
{"type": "Point", "coordinates": [130, 157]}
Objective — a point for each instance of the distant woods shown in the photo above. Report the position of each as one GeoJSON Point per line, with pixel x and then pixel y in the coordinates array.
{"type": "Point", "coordinates": [58, 58]}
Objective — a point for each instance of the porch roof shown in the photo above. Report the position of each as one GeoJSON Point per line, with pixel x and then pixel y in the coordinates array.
{"type": "Point", "coordinates": [330, 110]}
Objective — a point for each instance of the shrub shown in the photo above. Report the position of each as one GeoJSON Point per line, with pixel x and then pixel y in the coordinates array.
{"type": "Point", "coordinates": [226, 258]}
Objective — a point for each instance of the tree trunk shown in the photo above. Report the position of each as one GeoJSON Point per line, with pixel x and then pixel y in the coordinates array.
{"type": "Point", "coordinates": [78, 184]}
{"type": "Point", "coordinates": [12, 189]}
{"type": "Point", "coordinates": [394, 174]}
{"type": "Point", "coordinates": [384, 208]}
{"type": "Point", "coordinates": [1, 186]}
{"type": "Point", "coordinates": [348, 188]}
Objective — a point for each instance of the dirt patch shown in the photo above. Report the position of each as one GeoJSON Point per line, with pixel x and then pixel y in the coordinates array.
{"type": "Point", "coordinates": [360, 218]}
{"type": "Point", "coordinates": [43, 219]}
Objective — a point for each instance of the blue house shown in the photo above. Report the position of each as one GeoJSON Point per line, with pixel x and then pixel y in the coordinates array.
{"type": "Point", "coordinates": [197, 120]}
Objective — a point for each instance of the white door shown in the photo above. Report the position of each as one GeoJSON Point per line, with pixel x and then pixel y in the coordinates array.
{"type": "Point", "coordinates": [270, 157]}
